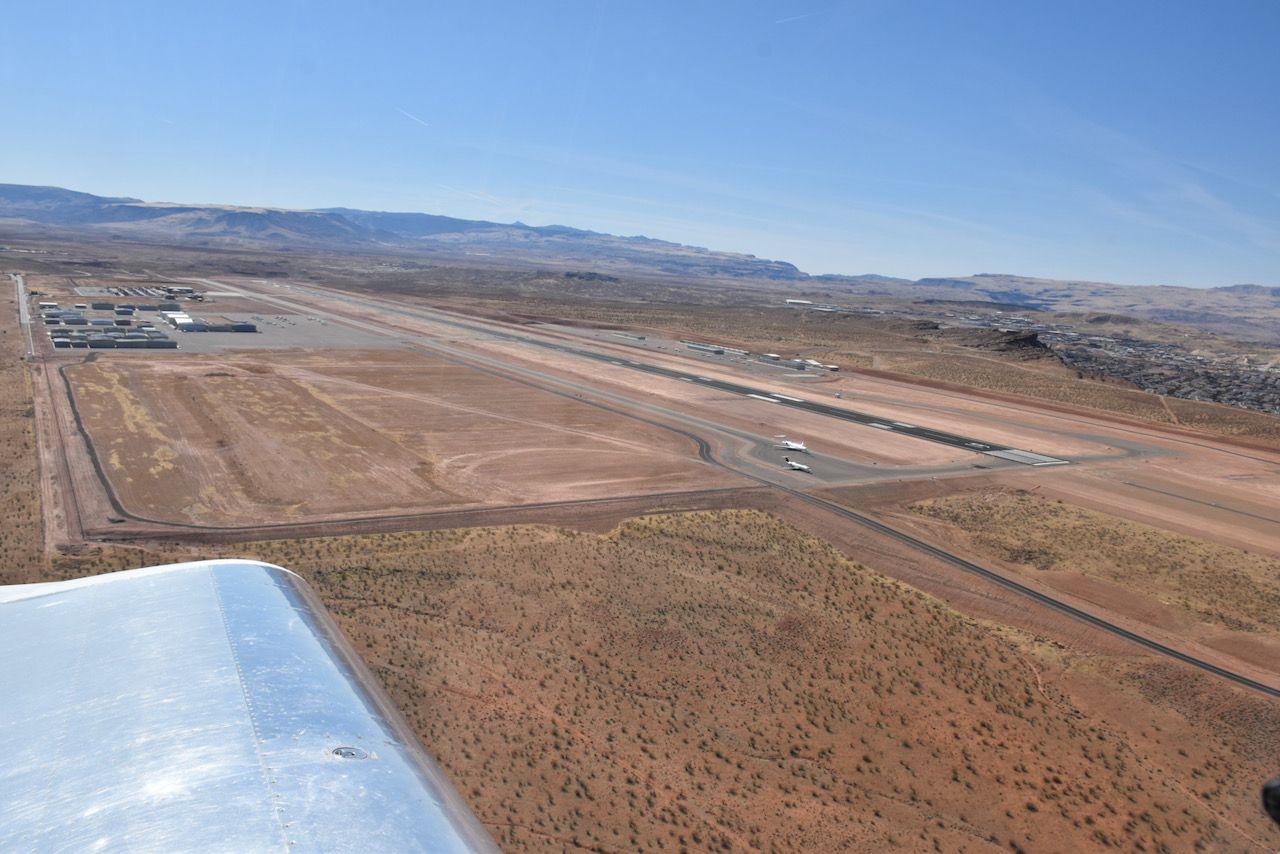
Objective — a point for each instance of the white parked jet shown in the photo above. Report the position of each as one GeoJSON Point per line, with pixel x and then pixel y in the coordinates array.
{"type": "Point", "coordinates": [790, 444]}
{"type": "Point", "coordinates": [797, 466]}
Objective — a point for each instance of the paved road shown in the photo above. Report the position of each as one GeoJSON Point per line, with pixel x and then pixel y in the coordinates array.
{"type": "Point", "coordinates": [1215, 505]}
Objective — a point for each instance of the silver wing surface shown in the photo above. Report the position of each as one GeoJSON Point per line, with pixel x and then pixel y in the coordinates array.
{"type": "Point", "coordinates": [208, 706]}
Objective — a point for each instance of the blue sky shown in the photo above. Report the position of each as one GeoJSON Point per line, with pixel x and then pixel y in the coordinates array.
{"type": "Point", "coordinates": [1132, 142]}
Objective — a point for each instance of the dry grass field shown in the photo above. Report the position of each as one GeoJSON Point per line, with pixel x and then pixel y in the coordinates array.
{"type": "Point", "coordinates": [1046, 384]}
{"type": "Point", "coordinates": [287, 436]}
{"type": "Point", "coordinates": [1227, 420]}
{"type": "Point", "coordinates": [1051, 382]}
{"type": "Point", "coordinates": [1208, 582]}
{"type": "Point", "coordinates": [721, 681]}
{"type": "Point", "coordinates": [207, 444]}
{"type": "Point", "coordinates": [21, 546]}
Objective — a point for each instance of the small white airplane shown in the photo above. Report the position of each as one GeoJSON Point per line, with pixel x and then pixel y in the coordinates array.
{"type": "Point", "coordinates": [790, 444]}
{"type": "Point", "coordinates": [795, 466]}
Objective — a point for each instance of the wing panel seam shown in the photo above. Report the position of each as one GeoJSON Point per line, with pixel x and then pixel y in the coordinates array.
{"type": "Point", "coordinates": [275, 805]}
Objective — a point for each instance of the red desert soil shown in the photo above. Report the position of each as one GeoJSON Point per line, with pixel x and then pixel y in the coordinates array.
{"type": "Point", "coordinates": [285, 437]}
{"type": "Point", "coordinates": [20, 545]}
{"type": "Point", "coordinates": [720, 680]}
{"type": "Point", "coordinates": [1222, 596]}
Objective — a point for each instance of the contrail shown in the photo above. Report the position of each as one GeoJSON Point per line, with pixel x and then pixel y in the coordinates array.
{"type": "Point", "coordinates": [409, 115]}
{"type": "Point", "coordinates": [795, 18]}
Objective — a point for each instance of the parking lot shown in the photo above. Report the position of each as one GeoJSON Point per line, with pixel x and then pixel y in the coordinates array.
{"type": "Point", "coordinates": [129, 321]}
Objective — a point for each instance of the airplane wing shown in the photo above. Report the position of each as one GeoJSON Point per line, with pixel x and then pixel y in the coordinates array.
{"type": "Point", "coordinates": [210, 706]}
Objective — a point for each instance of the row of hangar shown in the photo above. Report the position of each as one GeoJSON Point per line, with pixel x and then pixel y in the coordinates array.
{"type": "Point", "coordinates": [124, 316]}
{"type": "Point", "coordinates": [111, 339]}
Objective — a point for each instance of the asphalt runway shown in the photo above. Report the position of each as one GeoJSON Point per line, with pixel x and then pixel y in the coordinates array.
{"type": "Point", "coordinates": [759, 454]}
{"type": "Point", "coordinates": [928, 434]}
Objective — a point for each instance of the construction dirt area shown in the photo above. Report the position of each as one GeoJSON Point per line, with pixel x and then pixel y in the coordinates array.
{"type": "Point", "coordinates": [697, 646]}
{"type": "Point", "coordinates": [242, 440]}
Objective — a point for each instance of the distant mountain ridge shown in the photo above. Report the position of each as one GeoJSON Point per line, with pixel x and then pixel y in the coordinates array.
{"type": "Point", "coordinates": [352, 229]}
{"type": "Point", "coordinates": [425, 225]}
{"type": "Point", "coordinates": [1247, 310]}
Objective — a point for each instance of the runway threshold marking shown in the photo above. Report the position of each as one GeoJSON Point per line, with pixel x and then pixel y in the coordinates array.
{"type": "Point", "coordinates": [1024, 457]}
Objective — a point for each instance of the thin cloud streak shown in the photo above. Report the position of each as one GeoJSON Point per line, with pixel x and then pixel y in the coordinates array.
{"type": "Point", "coordinates": [1170, 184]}
{"type": "Point", "coordinates": [411, 117]}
